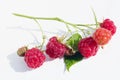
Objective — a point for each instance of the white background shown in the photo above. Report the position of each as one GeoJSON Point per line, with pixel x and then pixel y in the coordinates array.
{"type": "Point", "coordinates": [16, 32]}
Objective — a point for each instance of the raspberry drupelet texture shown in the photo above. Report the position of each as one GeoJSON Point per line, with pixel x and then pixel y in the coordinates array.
{"type": "Point", "coordinates": [54, 48]}
{"type": "Point", "coordinates": [109, 25]}
{"type": "Point", "coordinates": [34, 58]}
{"type": "Point", "coordinates": [88, 47]}
{"type": "Point", "coordinates": [102, 36]}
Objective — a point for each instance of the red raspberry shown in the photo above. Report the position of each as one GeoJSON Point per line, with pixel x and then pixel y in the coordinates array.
{"type": "Point", "coordinates": [109, 24]}
{"type": "Point", "coordinates": [88, 47]}
{"type": "Point", "coordinates": [34, 58]}
{"type": "Point", "coordinates": [54, 48]}
{"type": "Point", "coordinates": [102, 36]}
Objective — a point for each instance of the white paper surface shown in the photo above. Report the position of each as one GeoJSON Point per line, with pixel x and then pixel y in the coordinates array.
{"type": "Point", "coordinates": [16, 32]}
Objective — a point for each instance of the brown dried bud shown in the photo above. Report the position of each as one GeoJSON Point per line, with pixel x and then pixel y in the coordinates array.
{"type": "Point", "coordinates": [21, 51]}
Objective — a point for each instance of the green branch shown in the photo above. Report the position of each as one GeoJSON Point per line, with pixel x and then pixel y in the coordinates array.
{"type": "Point", "coordinates": [53, 18]}
{"type": "Point", "coordinates": [76, 26]}
{"type": "Point", "coordinates": [43, 36]}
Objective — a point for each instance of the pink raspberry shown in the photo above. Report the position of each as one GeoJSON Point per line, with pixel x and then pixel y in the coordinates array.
{"type": "Point", "coordinates": [109, 25]}
{"type": "Point", "coordinates": [54, 48]}
{"type": "Point", "coordinates": [34, 58]}
{"type": "Point", "coordinates": [102, 36]}
{"type": "Point", "coordinates": [88, 47]}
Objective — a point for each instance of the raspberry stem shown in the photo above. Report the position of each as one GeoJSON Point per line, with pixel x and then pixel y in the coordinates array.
{"type": "Point", "coordinates": [68, 24]}
{"type": "Point", "coordinates": [57, 19]}
{"type": "Point", "coordinates": [95, 17]}
{"type": "Point", "coordinates": [43, 36]}
{"type": "Point", "coordinates": [69, 30]}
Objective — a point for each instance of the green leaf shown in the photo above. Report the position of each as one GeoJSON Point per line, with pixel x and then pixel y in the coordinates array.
{"type": "Point", "coordinates": [73, 41]}
{"type": "Point", "coordinates": [71, 60]}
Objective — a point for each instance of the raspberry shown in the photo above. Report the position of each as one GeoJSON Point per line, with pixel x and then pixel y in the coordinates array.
{"type": "Point", "coordinates": [55, 49]}
{"type": "Point", "coordinates": [102, 36]}
{"type": "Point", "coordinates": [109, 25]}
{"type": "Point", "coordinates": [34, 58]}
{"type": "Point", "coordinates": [88, 47]}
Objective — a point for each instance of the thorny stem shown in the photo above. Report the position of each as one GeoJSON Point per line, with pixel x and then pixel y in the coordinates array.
{"type": "Point", "coordinates": [43, 36]}
{"type": "Point", "coordinates": [57, 19]}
